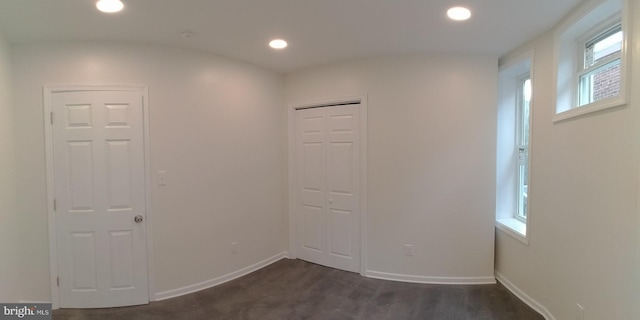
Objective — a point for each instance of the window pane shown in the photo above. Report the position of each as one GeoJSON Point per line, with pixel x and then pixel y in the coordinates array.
{"type": "Point", "coordinates": [601, 83]}
{"type": "Point", "coordinates": [526, 101]}
{"type": "Point", "coordinates": [523, 148]}
{"type": "Point", "coordinates": [603, 47]}
{"type": "Point", "coordinates": [523, 186]}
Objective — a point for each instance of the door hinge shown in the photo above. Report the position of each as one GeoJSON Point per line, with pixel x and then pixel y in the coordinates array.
{"type": "Point", "coordinates": [55, 204]}
{"type": "Point", "coordinates": [58, 281]}
{"type": "Point", "coordinates": [51, 117]}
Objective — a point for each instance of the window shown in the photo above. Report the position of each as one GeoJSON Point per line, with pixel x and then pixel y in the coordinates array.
{"type": "Point", "coordinates": [590, 59]}
{"type": "Point", "coordinates": [599, 77]}
{"type": "Point", "coordinates": [513, 134]}
{"type": "Point", "coordinates": [522, 148]}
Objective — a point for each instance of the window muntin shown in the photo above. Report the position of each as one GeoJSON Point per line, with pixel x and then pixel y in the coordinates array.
{"type": "Point", "coordinates": [599, 77]}
{"type": "Point", "coordinates": [522, 148]}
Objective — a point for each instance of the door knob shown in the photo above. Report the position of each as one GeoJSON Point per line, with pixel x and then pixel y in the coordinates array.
{"type": "Point", "coordinates": [138, 219]}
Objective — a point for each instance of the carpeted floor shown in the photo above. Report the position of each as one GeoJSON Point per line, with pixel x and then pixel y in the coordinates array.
{"type": "Point", "coordinates": [295, 289]}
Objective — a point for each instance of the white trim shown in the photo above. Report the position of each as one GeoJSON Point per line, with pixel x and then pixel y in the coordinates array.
{"type": "Point", "coordinates": [219, 280]}
{"type": "Point", "coordinates": [363, 182]}
{"type": "Point", "coordinates": [618, 101]}
{"type": "Point", "coordinates": [514, 228]}
{"type": "Point", "coordinates": [535, 305]}
{"type": "Point", "coordinates": [518, 65]}
{"type": "Point", "coordinates": [293, 233]}
{"type": "Point", "coordinates": [362, 100]}
{"type": "Point", "coordinates": [430, 280]}
{"type": "Point", "coordinates": [53, 249]}
{"type": "Point", "coordinates": [48, 90]}
{"type": "Point", "coordinates": [147, 177]}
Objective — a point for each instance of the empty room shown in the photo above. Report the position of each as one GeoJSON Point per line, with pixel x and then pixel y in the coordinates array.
{"type": "Point", "coordinates": [334, 159]}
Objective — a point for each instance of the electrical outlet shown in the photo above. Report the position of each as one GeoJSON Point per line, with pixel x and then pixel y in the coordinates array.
{"type": "Point", "coordinates": [234, 247]}
{"type": "Point", "coordinates": [408, 250]}
{"type": "Point", "coordinates": [579, 312]}
{"type": "Point", "coordinates": [162, 178]}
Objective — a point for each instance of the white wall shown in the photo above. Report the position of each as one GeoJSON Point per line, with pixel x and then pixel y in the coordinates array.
{"type": "Point", "coordinates": [9, 262]}
{"type": "Point", "coordinates": [584, 223]}
{"type": "Point", "coordinates": [216, 127]}
{"type": "Point", "coordinates": [431, 145]}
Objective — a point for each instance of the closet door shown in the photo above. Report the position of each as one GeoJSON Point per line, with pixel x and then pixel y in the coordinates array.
{"type": "Point", "coordinates": [328, 190]}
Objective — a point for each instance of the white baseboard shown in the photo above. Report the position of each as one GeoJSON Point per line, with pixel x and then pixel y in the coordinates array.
{"type": "Point", "coordinates": [535, 305]}
{"type": "Point", "coordinates": [429, 280]}
{"type": "Point", "coordinates": [219, 280]}
{"type": "Point", "coordinates": [31, 301]}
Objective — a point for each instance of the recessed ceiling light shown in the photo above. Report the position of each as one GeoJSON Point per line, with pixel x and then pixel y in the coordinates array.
{"type": "Point", "coordinates": [278, 44]}
{"type": "Point", "coordinates": [459, 13]}
{"type": "Point", "coordinates": [187, 34]}
{"type": "Point", "coordinates": [109, 6]}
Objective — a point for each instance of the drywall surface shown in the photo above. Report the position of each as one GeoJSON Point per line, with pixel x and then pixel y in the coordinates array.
{"type": "Point", "coordinates": [583, 193]}
{"type": "Point", "coordinates": [216, 128]}
{"type": "Point", "coordinates": [431, 158]}
{"type": "Point", "coordinates": [9, 263]}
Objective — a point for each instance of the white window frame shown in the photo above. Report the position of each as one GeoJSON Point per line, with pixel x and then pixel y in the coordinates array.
{"type": "Point", "coordinates": [586, 22]}
{"type": "Point", "coordinates": [512, 74]}
{"type": "Point", "coordinates": [598, 34]}
{"type": "Point", "coordinates": [521, 147]}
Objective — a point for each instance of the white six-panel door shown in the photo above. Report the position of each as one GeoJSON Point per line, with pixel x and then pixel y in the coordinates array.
{"type": "Point", "coordinates": [328, 186]}
{"type": "Point", "coordinates": [98, 149]}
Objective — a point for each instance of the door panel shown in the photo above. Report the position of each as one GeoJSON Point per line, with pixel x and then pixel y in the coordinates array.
{"type": "Point", "coordinates": [341, 222]}
{"type": "Point", "coordinates": [84, 261]}
{"type": "Point", "coordinates": [313, 167]}
{"type": "Point", "coordinates": [118, 115]}
{"type": "Point", "coordinates": [80, 176]}
{"type": "Point", "coordinates": [312, 228]}
{"type": "Point", "coordinates": [327, 142]}
{"type": "Point", "coordinates": [78, 115]}
{"type": "Point", "coordinates": [340, 167]}
{"type": "Point", "coordinates": [98, 145]}
{"type": "Point", "coordinates": [122, 259]}
{"type": "Point", "coordinates": [119, 171]}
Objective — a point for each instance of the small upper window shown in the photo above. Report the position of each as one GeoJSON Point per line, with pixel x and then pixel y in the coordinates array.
{"type": "Point", "coordinates": [599, 77]}
{"type": "Point", "coordinates": [591, 59]}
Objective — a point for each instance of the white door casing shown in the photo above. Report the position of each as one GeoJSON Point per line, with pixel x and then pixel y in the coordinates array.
{"type": "Point", "coordinates": [98, 154]}
{"type": "Point", "coordinates": [328, 186]}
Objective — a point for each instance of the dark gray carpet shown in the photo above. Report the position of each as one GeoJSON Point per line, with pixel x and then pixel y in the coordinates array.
{"type": "Point", "coordinates": [295, 289]}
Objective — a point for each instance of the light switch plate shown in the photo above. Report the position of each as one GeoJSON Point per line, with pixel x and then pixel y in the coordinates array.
{"type": "Point", "coordinates": [162, 178]}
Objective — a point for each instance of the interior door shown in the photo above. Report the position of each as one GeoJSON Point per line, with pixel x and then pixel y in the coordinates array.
{"type": "Point", "coordinates": [328, 186]}
{"type": "Point", "coordinates": [98, 143]}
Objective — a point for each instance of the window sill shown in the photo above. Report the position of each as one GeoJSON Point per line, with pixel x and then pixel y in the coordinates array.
{"type": "Point", "coordinates": [589, 108]}
{"type": "Point", "coordinates": [514, 228]}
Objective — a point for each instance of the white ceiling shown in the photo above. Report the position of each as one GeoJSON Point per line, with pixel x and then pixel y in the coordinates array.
{"type": "Point", "coordinates": [318, 31]}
